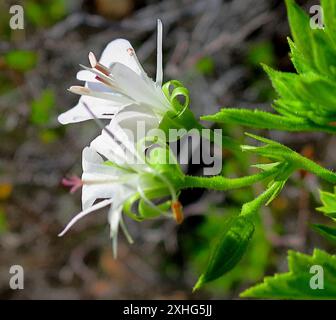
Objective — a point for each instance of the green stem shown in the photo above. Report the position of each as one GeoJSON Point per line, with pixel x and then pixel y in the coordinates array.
{"type": "Point", "coordinates": [250, 208]}
{"type": "Point", "coordinates": [222, 183]}
{"type": "Point", "coordinates": [319, 171]}
{"type": "Point", "coordinates": [221, 140]}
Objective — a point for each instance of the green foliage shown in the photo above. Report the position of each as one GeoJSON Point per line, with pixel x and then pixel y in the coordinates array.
{"type": "Point", "coordinates": [296, 284]}
{"type": "Point", "coordinates": [3, 221]}
{"type": "Point", "coordinates": [228, 250]}
{"type": "Point", "coordinates": [196, 245]}
{"type": "Point", "coordinates": [280, 153]}
{"type": "Point", "coordinates": [257, 119]}
{"type": "Point", "coordinates": [41, 108]}
{"type": "Point", "coordinates": [21, 60]}
{"type": "Point", "coordinates": [261, 53]}
{"type": "Point", "coordinates": [325, 231]}
{"type": "Point", "coordinates": [205, 66]}
{"type": "Point", "coordinates": [329, 203]}
{"type": "Point", "coordinates": [45, 13]}
{"type": "Point", "coordinates": [307, 99]}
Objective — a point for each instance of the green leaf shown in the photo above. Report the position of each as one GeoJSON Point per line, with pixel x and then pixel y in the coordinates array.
{"type": "Point", "coordinates": [324, 55]}
{"type": "Point", "coordinates": [296, 109]}
{"type": "Point", "coordinates": [228, 250]}
{"type": "Point", "coordinates": [296, 284]}
{"type": "Point", "coordinates": [284, 83]}
{"type": "Point", "coordinates": [21, 60]}
{"type": "Point", "coordinates": [329, 16]}
{"type": "Point", "coordinates": [300, 63]}
{"type": "Point", "coordinates": [328, 200]}
{"type": "Point", "coordinates": [257, 119]}
{"type": "Point", "coordinates": [300, 28]}
{"type": "Point", "coordinates": [320, 91]}
{"type": "Point", "coordinates": [42, 107]}
{"type": "Point", "coordinates": [325, 231]}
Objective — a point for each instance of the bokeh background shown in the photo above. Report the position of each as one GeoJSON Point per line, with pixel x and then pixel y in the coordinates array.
{"type": "Point", "coordinates": [215, 48]}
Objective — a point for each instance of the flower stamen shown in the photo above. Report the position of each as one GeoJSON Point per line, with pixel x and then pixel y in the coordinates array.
{"type": "Point", "coordinates": [74, 183]}
{"type": "Point", "coordinates": [97, 65]}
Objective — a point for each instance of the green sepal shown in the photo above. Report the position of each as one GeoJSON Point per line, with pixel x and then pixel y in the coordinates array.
{"type": "Point", "coordinates": [142, 213]}
{"type": "Point", "coordinates": [148, 211]}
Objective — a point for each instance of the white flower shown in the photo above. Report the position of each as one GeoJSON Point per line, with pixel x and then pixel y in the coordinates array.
{"type": "Point", "coordinates": [123, 175]}
{"type": "Point", "coordinates": [118, 82]}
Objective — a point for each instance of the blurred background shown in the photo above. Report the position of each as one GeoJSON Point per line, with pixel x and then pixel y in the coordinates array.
{"type": "Point", "coordinates": [215, 48]}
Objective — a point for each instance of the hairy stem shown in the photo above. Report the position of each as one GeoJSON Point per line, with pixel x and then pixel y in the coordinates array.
{"type": "Point", "coordinates": [223, 183]}
{"type": "Point", "coordinates": [318, 170]}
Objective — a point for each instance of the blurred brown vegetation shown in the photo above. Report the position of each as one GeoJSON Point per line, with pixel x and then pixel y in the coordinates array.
{"type": "Point", "coordinates": [214, 47]}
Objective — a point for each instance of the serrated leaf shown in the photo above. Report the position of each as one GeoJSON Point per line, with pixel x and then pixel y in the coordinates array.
{"type": "Point", "coordinates": [291, 108]}
{"type": "Point", "coordinates": [329, 16]}
{"type": "Point", "coordinates": [320, 91]}
{"type": "Point", "coordinates": [296, 284]}
{"type": "Point", "coordinates": [328, 200]}
{"type": "Point", "coordinates": [257, 119]}
{"type": "Point", "coordinates": [324, 56]}
{"type": "Point", "coordinates": [300, 63]}
{"type": "Point", "coordinates": [284, 83]}
{"type": "Point", "coordinates": [300, 28]}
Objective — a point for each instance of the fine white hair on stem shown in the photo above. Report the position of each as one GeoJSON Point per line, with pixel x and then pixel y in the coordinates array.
{"type": "Point", "coordinates": [159, 72]}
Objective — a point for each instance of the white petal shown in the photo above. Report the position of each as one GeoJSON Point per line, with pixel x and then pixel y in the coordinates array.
{"type": "Point", "coordinates": [82, 214]}
{"type": "Point", "coordinates": [91, 193]}
{"type": "Point", "coordinates": [103, 109]}
{"type": "Point", "coordinates": [136, 121]}
{"type": "Point", "coordinates": [94, 169]}
{"type": "Point", "coordinates": [135, 86]}
{"type": "Point", "coordinates": [109, 148]}
{"type": "Point", "coordinates": [121, 51]}
{"type": "Point", "coordinates": [100, 180]}
{"type": "Point", "coordinates": [159, 68]}
{"type": "Point", "coordinates": [114, 216]}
